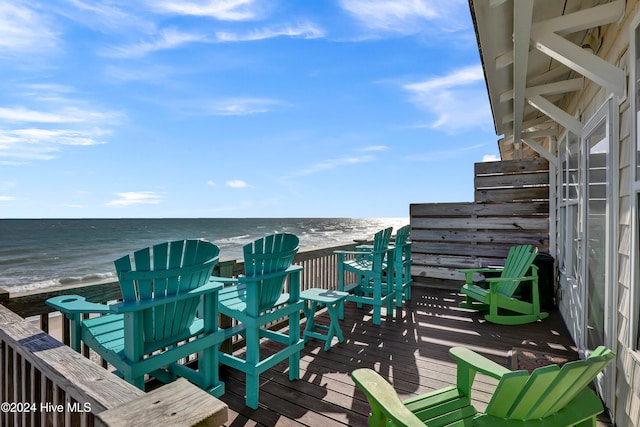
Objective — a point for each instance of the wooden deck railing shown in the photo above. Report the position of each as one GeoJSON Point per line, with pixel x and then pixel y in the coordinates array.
{"type": "Point", "coordinates": [37, 368]}
{"type": "Point", "coordinates": [45, 383]}
{"type": "Point", "coordinates": [320, 271]}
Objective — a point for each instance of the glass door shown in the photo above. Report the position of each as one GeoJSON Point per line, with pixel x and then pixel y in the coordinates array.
{"type": "Point", "coordinates": [598, 238]}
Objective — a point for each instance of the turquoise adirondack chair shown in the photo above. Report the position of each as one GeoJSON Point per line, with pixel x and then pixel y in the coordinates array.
{"type": "Point", "coordinates": [402, 265]}
{"type": "Point", "coordinates": [548, 397]}
{"type": "Point", "coordinates": [505, 306]}
{"type": "Point", "coordinates": [373, 283]}
{"type": "Point", "coordinates": [169, 312]}
{"type": "Point", "coordinates": [259, 298]}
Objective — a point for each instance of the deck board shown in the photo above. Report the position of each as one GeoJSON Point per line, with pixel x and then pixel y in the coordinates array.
{"type": "Point", "coordinates": [411, 351]}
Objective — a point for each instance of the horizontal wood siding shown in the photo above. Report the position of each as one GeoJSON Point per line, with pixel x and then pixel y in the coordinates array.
{"type": "Point", "coordinates": [511, 208]}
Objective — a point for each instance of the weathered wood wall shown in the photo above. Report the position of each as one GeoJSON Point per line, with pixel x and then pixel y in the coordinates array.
{"type": "Point", "coordinates": [511, 207]}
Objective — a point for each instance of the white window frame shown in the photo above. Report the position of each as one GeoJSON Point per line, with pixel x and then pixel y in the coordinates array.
{"type": "Point", "coordinates": [634, 291]}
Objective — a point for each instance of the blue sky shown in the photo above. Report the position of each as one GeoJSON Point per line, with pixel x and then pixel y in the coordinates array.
{"type": "Point", "coordinates": [238, 108]}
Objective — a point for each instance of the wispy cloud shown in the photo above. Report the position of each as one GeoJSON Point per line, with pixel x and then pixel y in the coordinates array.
{"type": "Point", "coordinates": [7, 198]}
{"type": "Point", "coordinates": [23, 31]}
{"type": "Point", "coordinates": [332, 164]}
{"type": "Point", "coordinates": [224, 10]}
{"type": "Point", "coordinates": [458, 100]}
{"type": "Point", "coordinates": [136, 198]}
{"type": "Point", "coordinates": [38, 132]}
{"type": "Point", "coordinates": [238, 183]}
{"type": "Point", "coordinates": [239, 106]}
{"type": "Point", "coordinates": [376, 148]}
{"type": "Point", "coordinates": [408, 16]}
{"type": "Point", "coordinates": [306, 30]}
{"type": "Point", "coordinates": [66, 114]}
{"type": "Point", "coordinates": [169, 38]}
{"type": "Point", "coordinates": [211, 183]}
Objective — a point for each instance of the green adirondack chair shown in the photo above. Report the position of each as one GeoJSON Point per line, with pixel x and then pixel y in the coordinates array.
{"type": "Point", "coordinates": [402, 265]}
{"type": "Point", "coordinates": [548, 397]}
{"type": "Point", "coordinates": [373, 283]}
{"type": "Point", "coordinates": [169, 312]}
{"type": "Point", "coordinates": [500, 298]}
{"type": "Point", "coordinates": [259, 298]}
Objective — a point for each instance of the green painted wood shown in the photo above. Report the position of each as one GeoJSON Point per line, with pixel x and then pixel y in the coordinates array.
{"type": "Point", "coordinates": [167, 299]}
{"type": "Point", "coordinates": [258, 298]}
{"type": "Point", "coordinates": [500, 297]}
{"type": "Point", "coordinates": [519, 398]}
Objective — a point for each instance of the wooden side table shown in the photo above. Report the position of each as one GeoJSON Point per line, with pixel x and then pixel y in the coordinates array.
{"type": "Point", "coordinates": [315, 299]}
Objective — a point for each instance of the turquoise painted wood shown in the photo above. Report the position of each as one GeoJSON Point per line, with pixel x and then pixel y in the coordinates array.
{"type": "Point", "coordinates": [316, 298]}
{"type": "Point", "coordinates": [548, 397]}
{"type": "Point", "coordinates": [374, 282]}
{"type": "Point", "coordinates": [167, 299]}
{"type": "Point", "coordinates": [259, 298]}
{"type": "Point", "coordinates": [402, 265]}
{"type": "Point", "coordinates": [500, 299]}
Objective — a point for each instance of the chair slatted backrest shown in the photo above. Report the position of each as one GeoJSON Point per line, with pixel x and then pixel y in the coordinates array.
{"type": "Point", "coordinates": [269, 256]}
{"type": "Point", "coordinates": [403, 246]}
{"type": "Point", "coordinates": [381, 242]}
{"type": "Point", "coordinates": [402, 235]}
{"type": "Point", "coordinates": [166, 269]}
{"type": "Point", "coordinates": [520, 396]}
{"type": "Point", "coordinates": [516, 265]}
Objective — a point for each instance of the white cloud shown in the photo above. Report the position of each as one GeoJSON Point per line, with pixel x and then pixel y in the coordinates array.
{"type": "Point", "coordinates": [458, 100]}
{"type": "Point", "coordinates": [332, 164]}
{"type": "Point", "coordinates": [211, 183]}
{"type": "Point", "coordinates": [106, 16]}
{"type": "Point", "coordinates": [53, 120]}
{"type": "Point", "coordinates": [24, 31]}
{"type": "Point", "coordinates": [376, 148]}
{"type": "Point", "coordinates": [7, 198]}
{"type": "Point", "coordinates": [224, 10]}
{"type": "Point", "coordinates": [65, 114]}
{"type": "Point", "coordinates": [307, 31]}
{"type": "Point", "coordinates": [237, 183]}
{"type": "Point", "coordinates": [240, 106]}
{"type": "Point", "coordinates": [169, 38]}
{"type": "Point", "coordinates": [136, 198]}
{"type": "Point", "coordinates": [408, 16]}
{"type": "Point", "coordinates": [53, 136]}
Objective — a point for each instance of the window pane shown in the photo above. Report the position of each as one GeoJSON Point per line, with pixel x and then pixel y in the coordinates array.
{"type": "Point", "coordinates": [574, 163]}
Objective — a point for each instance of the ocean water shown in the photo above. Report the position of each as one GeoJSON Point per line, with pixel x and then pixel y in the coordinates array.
{"type": "Point", "coordinates": [44, 253]}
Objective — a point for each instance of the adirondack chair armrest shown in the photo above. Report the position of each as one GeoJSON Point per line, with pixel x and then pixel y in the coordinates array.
{"type": "Point", "coordinates": [469, 360]}
{"type": "Point", "coordinates": [495, 281]}
{"type": "Point", "coordinates": [480, 270]}
{"type": "Point", "coordinates": [76, 304]}
{"type": "Point", "coordinates": [133, 306]}
{"type": "Point", "coordinates": [383, 399]}
{"type": "Point", "coordinates": [290, 270]}
{"type": "Point", "coordinates": [469, 272]}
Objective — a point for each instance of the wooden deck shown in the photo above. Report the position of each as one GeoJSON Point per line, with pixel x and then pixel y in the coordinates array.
{"type": "Point", "coordinates": [412, 352]}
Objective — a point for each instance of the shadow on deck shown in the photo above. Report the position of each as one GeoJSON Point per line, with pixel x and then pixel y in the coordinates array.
{"type": "Point", "coordinates": [412, 352]}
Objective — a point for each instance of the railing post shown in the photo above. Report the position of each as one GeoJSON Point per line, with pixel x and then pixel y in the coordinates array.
{"type": "Point", "coordinates": [179, 403]}
{"type": "Point", "coordinates": [4, 296]}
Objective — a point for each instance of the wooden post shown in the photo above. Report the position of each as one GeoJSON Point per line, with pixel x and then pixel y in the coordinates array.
{"type": "Point", "coordinates": [4, 296]}
{"type": "Point", "coordinates": [179, 403]}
